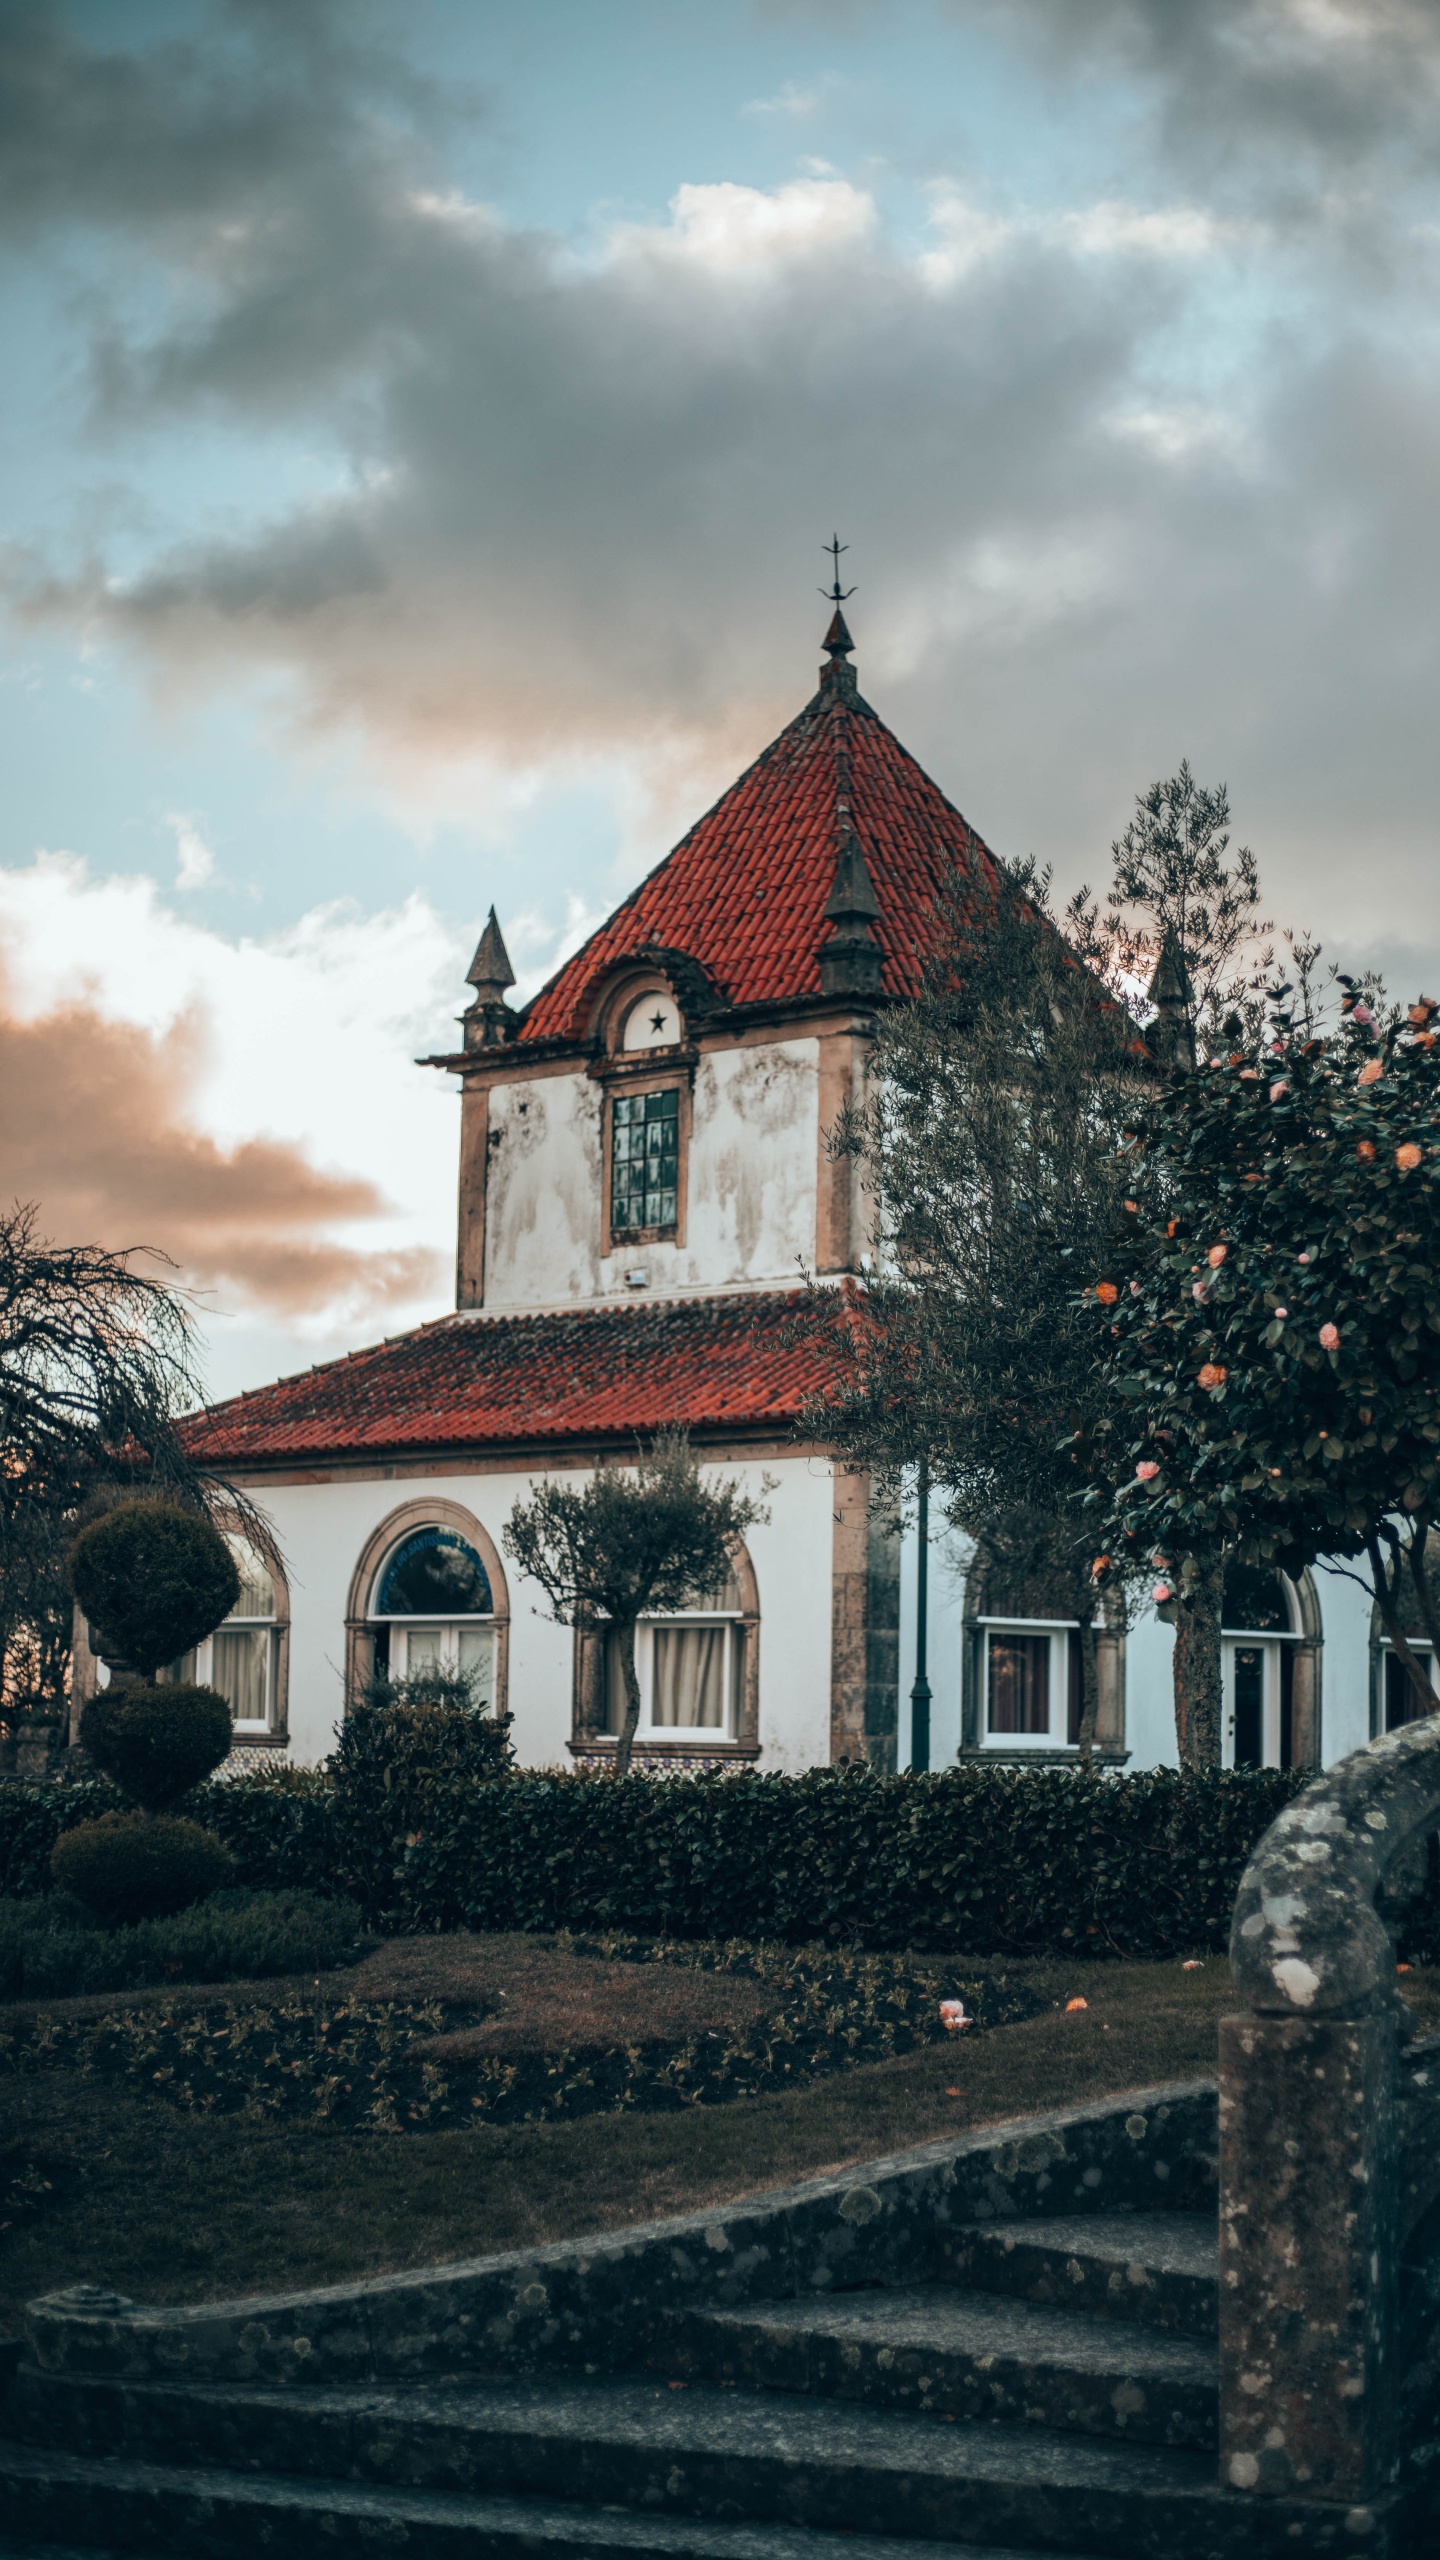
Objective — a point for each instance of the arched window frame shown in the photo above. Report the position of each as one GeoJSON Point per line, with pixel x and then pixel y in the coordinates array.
{"type": "Point", "coordinates": [695, 1744]}
{"type": "Point", "coordinates": [361, 1625]}
{"type": "Point", "coordinates": [630, 1076]}
{"type": "Point", "coordinates": [1299, 1647]}
{"type": "Point", "coordinates": [1383, 1683]}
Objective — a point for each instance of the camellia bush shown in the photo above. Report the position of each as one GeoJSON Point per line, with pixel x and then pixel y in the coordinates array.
{"type": "Point", "coordinates": [1269, 1329]}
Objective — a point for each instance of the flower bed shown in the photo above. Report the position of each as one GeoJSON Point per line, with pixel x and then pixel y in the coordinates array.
{"type": "Point", "coordinates": [385, 2066]}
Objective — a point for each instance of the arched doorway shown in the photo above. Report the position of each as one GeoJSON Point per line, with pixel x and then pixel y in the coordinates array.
{"type": "Point", "coordinates": [1269, 1671]}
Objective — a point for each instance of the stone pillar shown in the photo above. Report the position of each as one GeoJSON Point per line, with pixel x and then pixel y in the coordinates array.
{"type": "Point", "coordinates": [1308, 2255]}
{"type": "Point", "coordinates": [865, 1628]}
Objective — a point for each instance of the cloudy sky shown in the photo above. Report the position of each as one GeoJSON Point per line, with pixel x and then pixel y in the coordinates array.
{"type": "Point", "coordinates": [420, 425]}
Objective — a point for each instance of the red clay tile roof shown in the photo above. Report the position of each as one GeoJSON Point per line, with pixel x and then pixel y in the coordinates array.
{"type": "Point", "coordinates": [600, 1373]}
{"type": "Point", "coordinates": [744, 892]}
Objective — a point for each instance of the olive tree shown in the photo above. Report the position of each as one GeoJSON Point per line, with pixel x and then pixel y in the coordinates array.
{"type": "Point", "coordinates": [630, 1543]}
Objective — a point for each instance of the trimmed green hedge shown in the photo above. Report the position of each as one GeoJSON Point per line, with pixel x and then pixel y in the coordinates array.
{"type": "Point", "coordinates": [984, 1861]}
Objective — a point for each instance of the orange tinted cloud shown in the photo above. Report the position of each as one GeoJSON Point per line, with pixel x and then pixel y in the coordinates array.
{"type": "Point", "coordinates": [95, 1126]}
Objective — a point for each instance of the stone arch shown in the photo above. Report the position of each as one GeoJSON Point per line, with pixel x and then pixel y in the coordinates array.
{"type": "Point", "coordinates": [419, 1514]}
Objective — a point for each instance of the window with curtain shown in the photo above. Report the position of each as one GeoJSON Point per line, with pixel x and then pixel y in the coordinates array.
{"type": "Point", "coordinates": [241, 1659]}
{"type": "Point", "coordinates": [1031, 1684]}
{"type": "Point", "coordinates": [690, 1669]}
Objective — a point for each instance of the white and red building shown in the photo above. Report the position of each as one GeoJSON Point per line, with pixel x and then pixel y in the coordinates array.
{"type": "Point", "coordinates": [644, 1177]}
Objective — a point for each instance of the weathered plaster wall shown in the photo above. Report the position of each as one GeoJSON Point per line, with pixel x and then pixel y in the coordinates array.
{"type": "Point", "coordinates": [750, 1183]}
{"type": "Point", "coordinates": [323, 1529]}
{"type": "Point", "coordinates": [542, 1206]}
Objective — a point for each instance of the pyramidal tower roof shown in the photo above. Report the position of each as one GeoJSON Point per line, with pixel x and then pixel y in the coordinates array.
{"type": "Point", "coordinates": [747, 893]}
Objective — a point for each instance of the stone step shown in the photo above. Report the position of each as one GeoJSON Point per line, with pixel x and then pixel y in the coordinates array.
{"type": "Point", "coordinates": [134, 2465]}
{"type": "Point", "coordinates": [1158, 2269]}
{"type": "Point", "coordinates": [950, 2353]}
{"type": "Point", "coordinates": [150, 2508]}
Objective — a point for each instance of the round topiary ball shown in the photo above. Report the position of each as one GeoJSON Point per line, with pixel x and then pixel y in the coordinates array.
{"type": "Point", "coordinates": [125, 1867]}
{"type": "Point", "coordinates": [156, 1743]}
{"type": "Point", "coordinates": [153, 1580]}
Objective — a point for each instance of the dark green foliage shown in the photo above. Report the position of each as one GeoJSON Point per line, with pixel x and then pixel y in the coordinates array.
{"type": "Point", "coordinates": [153, 1580]}
{"type": "Point", "coordinates": [370, 2065]}
{"type": "Point", "coordinates": [405, 1762]}
{"type": "Point", "coordinates": [128, 1866]}
{"type": "Point", "coordinates": [156, 1743]}
{"type": "Point", "coordinates": [52, 1947]}
{"type": "Point", "coordinates": [992, 1861]}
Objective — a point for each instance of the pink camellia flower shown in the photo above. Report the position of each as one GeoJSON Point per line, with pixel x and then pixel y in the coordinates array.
{"type": "Point", "coordinates": [1216, 1255]}
{"type": "Point", "coordinates": [1146, 1469]}
{"type": "Point", "coordinates": [1161, 1593]}
{"type": "Point", "coordinates": [1361, 1013]}
{"type": "Point", "coordinates": [1408, 1156]}
{"type": "Point", "coordinates": [1134, 1288]}
{"type": "Point", "coordinates": [1330, 1337]}
{"type": "Point", "coordinates": [1302, 1257]}
{"type": "Point", "coordinates": [1280, 1314]}
{"type": "Point", "coordinates": [1371, 1072]}
{"type": "Point", "coordinates": [953, 2017]}
{"type": "Point", "coordinates": [1198, 1289]}
{"type": "Point", "coordinates": [1279, 1091]}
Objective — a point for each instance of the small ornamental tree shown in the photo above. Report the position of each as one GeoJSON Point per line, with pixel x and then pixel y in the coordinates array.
{"type": "Point", "coordinates": [153, 1580]}
{"type": "Point", "coordinates": [633, 1543]}
{"type": "Point", "coordinates": [1269, 1329]}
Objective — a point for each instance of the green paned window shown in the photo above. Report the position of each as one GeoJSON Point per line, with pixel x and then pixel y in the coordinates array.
{"type": "Point", "coordinates": [644, 1161]}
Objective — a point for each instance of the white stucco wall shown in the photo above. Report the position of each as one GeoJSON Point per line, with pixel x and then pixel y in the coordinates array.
{"type": "Point", "coordinates": [323, 1529]}
{"type": "Point", "coordinates": [750, 1185]}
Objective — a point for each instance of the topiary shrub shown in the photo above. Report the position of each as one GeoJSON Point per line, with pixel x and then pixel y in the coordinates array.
{"type": "Point", "coordinates": [156, 1743]}
{"type": "Point", "coordinates": [153, 1580]}
{"type": "Point", "coordinates": [129, 1867]}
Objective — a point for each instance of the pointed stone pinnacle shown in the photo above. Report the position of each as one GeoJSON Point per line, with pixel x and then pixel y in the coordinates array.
{"type": "Point", "coordinates": [490, 972]}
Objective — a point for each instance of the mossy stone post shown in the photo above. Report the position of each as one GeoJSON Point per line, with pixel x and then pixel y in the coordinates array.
{"type": "Point", "coordinates": [1310, 2190]}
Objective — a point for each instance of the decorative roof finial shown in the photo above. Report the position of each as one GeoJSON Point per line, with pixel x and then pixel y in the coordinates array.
{"type": "Point", "coordinates": [1171, 1035]}
{"type": "Point", "coordinates": [837, 639]}
{"type": "Point", "coordinates": [489, 1019]}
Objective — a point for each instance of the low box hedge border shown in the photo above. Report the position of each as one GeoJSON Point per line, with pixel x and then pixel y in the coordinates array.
{"type": "Point", "coordinates": [989, 1861]}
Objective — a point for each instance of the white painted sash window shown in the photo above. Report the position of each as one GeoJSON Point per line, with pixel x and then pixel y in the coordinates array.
{"type": "Point", "coordinates": [690, 1669]}
{"type": "Point", "coordinates": [1028, 1682]}
{"type": "Point", "coordinates": [242, 1657]}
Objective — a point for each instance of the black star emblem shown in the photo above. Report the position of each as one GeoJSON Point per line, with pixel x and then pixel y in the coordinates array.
{"type": "Point", "coordinates": [657, 1021]}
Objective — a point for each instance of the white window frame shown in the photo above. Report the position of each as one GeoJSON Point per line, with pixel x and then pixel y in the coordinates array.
{"type": "Point", "coordinates": [733, 1620]}
{"type": "Point", "coordinates": [1420, 1645]}
{"type": "Point", "coordinates": [205, 1666]}
{"type": "Point", "coordinates": [404, 1628]}
{"type": "Point", "coordinates": [1056, 1736]}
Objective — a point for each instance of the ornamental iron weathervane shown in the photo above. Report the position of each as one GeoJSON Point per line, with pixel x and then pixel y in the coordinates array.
{"type": "Point", "coordinates": [836, 594]}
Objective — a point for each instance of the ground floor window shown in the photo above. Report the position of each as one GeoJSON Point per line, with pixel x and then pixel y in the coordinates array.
{"type": "Point", "coordinates": [1030, 1682]}
{"type": "Point", "coordinates": [690, 1669]}
{"type": "Point", "coordinates": [1401, 1699]}
{"type": "Point", "coordinates": [242, 1658]}
{"type": "Point", "coordinates": [432, 1610]}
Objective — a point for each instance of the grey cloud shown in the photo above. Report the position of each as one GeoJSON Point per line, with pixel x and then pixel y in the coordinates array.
{"type": "Point", "coordinates": [1289, 99]}
{"type": "Point", "coordinates": [585, 499]}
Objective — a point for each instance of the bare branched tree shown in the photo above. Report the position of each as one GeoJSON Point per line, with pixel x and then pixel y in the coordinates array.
{"type": "Point", "coordinates": [97, 1369]}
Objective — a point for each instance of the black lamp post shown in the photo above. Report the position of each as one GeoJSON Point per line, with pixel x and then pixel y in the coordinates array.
{"type": "Point", "coordinates": [920, 1686]}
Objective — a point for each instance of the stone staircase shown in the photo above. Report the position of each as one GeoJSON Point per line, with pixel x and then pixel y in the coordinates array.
{"type": "Point", "coordinates": [1053, 2390]}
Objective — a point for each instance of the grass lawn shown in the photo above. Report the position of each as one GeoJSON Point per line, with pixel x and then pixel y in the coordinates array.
{"type": "Point", "coordinates": [180, 2207]}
